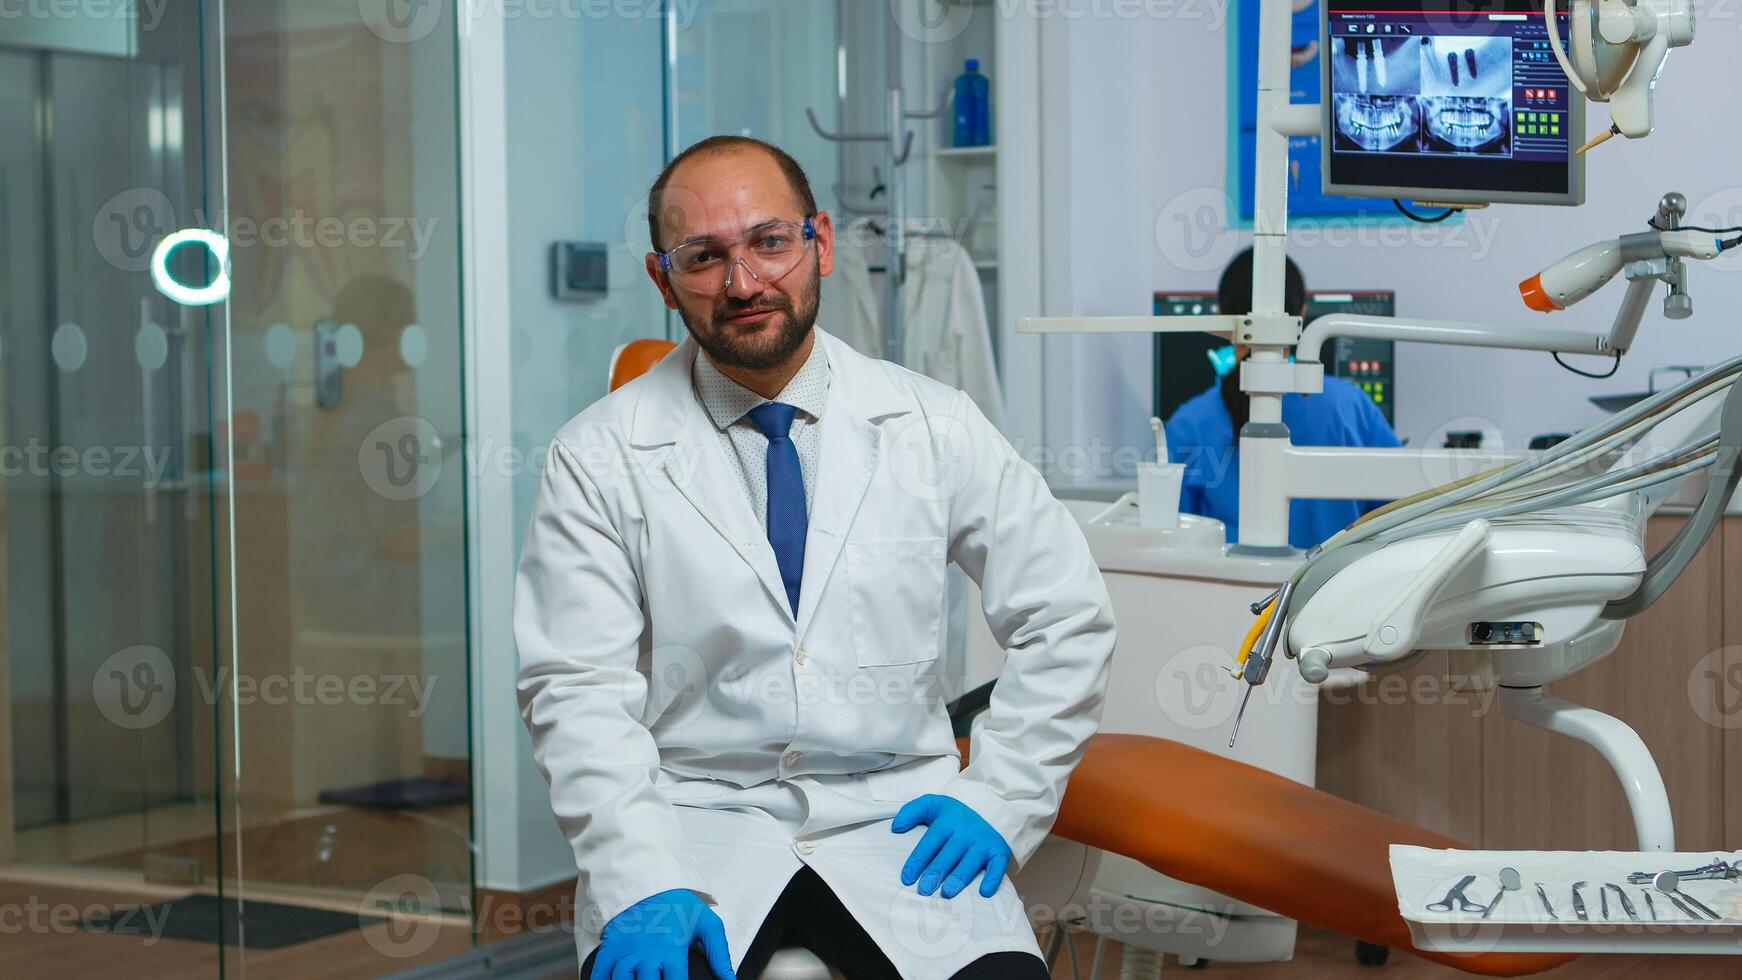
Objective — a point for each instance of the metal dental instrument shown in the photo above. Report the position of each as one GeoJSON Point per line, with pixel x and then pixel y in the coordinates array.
{"type": "Point", "coordinates": [1547, 906]}
{"type": "Point", "coordinates": [1626, 903]}
{"type": "Point", "coordinates": [1457, 893]}
{"type": "Point", "coordinates": [1650, 906]}
{"type": "Point", "coordinates": [1668, 882]}
{"type": "Point", "coordinates": [1579, 903]}
{"type": "Point", "coordinates": [1705, 872]}
{"type": "Point", "coordinates": [1683, 906]}
{"type": "Point", "coordinates": [1509, 882]}
{"type": "Point", "coordinates": [1603, 902]}
{"type": "Point", "coordinates": [1257, 664]}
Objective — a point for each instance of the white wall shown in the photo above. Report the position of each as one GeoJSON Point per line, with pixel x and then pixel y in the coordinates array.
{"type": "Point", "coordinates": [1134, 114]}
{"type": "Point", "coordinates": [567, 134]}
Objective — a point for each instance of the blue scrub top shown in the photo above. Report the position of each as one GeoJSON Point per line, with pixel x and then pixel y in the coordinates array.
{"type": "Point", "coordinates": [1201, 435]}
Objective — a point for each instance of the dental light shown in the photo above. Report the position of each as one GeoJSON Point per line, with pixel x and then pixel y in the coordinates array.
{"type": "Point", "coordinates": [1614, 52]}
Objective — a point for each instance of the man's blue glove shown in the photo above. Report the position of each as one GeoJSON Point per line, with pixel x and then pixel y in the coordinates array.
{"type": "Point", "coordinates": [959, 845]}
{"type": "Point", "coordinates": [652, 939]}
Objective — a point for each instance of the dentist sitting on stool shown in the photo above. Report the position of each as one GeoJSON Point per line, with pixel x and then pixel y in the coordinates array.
{"type": "Point", "coordinates": [730, 610]}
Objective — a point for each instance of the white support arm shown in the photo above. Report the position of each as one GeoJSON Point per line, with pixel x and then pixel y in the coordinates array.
{"type": "Point", "coordinates": [1224, 325]}
{"type": "Point", "coordinates": [1619, 745]}
{"type": "Point", "coordinates": [1312, 339]}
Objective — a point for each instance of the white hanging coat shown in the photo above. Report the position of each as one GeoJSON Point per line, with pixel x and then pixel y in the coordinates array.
{"type": "Point", "coordinates": [696, 734]}
{"type": "Point", "coordinates": [946, 333]}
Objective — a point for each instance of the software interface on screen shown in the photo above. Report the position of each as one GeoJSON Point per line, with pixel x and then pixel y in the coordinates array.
{"type": "Point", "coordinates": [1446, 98]}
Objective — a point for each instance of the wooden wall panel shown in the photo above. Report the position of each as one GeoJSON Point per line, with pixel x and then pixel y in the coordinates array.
{"type": "Point", "coordinates": [1415, 757]}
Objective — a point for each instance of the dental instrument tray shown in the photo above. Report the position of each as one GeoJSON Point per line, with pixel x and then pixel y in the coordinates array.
{"type": "Point", "coordinates": [1570, 901]}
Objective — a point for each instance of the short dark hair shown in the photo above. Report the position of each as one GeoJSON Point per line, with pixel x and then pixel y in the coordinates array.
{"type": "Point", "coordinates": [1234, 292]}
{"type": "Point", "coordinates": [801, 185]}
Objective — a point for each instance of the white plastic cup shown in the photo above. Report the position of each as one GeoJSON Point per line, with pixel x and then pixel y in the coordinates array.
{"type": "Point", "coordinates": [1158, 487]}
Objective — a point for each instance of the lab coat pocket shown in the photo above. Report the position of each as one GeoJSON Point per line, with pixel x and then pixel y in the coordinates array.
{"type": "Point", "coordinates": [897, 593]}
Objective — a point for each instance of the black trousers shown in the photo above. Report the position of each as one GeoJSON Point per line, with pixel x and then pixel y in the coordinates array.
{"type": "Point", "coordinates": [808, 914]}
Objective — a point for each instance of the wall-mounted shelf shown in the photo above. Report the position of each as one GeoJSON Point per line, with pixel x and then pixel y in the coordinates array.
{"type": "Point", "coordinates": [965, 152]}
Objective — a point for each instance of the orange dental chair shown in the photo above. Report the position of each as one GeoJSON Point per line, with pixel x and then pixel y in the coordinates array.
{"type": "Point", "coordinates": [1255, 836]}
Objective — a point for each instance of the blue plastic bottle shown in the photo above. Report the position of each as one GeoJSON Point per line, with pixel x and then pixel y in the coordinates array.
{"type": "Point", "coordinates": [973, 107]}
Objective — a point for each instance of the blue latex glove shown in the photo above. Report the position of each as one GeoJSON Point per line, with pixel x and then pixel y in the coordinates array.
{"type": "Point", "coordinates": [652, 939]}
{"type": "Point", "coordinates": [959, 845]}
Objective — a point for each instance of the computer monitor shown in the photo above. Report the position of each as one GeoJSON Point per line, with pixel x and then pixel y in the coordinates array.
{"type": "Point", "coordinates": [1184, 368]}
{"type": "Point", "coordinates": [1369, 364]}
{"type": "Point", "coordinates": [1448, 101]}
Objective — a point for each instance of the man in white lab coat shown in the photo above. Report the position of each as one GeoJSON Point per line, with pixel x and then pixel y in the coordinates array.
{"type": "Point", "coordinates": [729, 615]}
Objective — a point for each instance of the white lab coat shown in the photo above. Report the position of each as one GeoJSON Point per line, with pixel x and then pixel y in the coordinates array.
{"type": "Point", "coordinates": [698, 735]}
{"type": "Point", "coordinates": [946, 335]}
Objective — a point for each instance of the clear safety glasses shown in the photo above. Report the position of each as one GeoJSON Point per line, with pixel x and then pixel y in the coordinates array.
{"type": "Point", "coordinates": [767, 252]}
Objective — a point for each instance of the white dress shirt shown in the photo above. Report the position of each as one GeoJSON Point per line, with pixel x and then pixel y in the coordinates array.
{"type": "Point", "coordinates": [728, 403]}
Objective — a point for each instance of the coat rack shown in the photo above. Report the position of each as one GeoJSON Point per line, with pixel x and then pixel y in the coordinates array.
{"type": "Point", "coordinates": [897, 139]}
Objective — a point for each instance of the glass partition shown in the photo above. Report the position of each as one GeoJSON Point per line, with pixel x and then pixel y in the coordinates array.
{"type": "Point", "coordinates": [233, 659]}
{"type": "Point", "coordinates": [108, 796]}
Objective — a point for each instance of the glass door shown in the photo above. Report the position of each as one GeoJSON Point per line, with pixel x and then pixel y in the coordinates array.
{"type": "Point", "coordinates": [233, 668]}
{"type": "Point", "coordinates": [343, 486]}
{"type": "Point", "coordinates": [108, 793]}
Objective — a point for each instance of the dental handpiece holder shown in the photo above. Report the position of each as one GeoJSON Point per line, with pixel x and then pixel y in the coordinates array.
{"type": "Point", "coordinates": [1396, 631]}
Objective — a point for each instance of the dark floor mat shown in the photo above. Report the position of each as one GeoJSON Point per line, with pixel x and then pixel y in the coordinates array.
{"type": "Point", "coordinates": [210, 919]}
{"type": "Point", "coordinates": [400, 794]}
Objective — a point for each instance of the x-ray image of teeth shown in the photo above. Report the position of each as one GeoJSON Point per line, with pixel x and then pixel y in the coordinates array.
{"type": "Point", "coordinates": [1376, 65]}
{"type": "Point", "coordinates": [1460, 125]}
{"type": "Point", "coordinates": [1375, 123]}
{"type": "Point", "coordinates": [1469, 67]}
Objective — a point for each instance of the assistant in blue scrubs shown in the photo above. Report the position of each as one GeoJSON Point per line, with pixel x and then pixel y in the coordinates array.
{"type": "Point", "coordinates": [1201, 432]}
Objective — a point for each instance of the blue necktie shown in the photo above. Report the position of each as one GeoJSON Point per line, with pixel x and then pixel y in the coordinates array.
{"type": "Point", "coordinates": [786, 513]}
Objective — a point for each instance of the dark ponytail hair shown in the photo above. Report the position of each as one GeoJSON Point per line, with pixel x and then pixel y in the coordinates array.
{"type": "Point", "coordinates": [1234, 296]}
